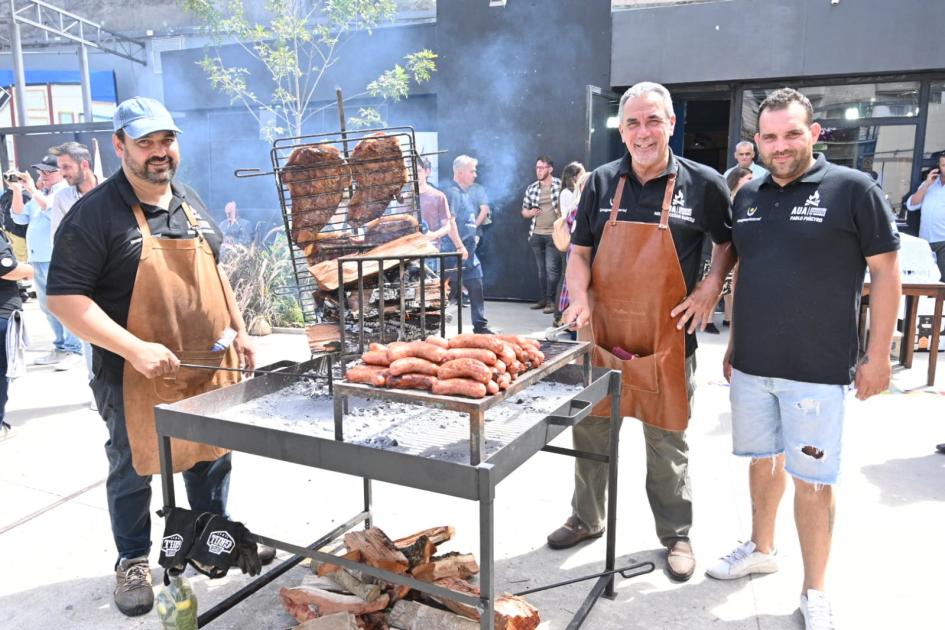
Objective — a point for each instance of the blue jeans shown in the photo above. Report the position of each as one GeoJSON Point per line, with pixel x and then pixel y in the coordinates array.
{"type": "Point", "coordinates": [804, 421]}
{"type": "Point", "coordinates": [64, 340]}
{"type": "Point", "coordinates": [549, 267]}
{"type": "Point", "coordinates": [4, 381]}
{"type": "Point", "coordinates": [129, 494]}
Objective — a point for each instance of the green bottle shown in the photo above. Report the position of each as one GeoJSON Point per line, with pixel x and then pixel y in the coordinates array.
{"type": "Point", "coordinates": [177, 604]}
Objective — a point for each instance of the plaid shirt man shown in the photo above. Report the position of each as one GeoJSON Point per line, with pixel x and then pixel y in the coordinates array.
{"type": "Point", "coordinates": [533, 194]}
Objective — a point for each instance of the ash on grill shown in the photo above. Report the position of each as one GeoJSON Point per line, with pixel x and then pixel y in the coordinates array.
{"type": "Point", "coordinates": [306, 408]}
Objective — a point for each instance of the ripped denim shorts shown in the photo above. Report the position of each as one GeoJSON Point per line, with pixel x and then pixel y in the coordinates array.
{"type": "Point", "coordinates": [802, 420]}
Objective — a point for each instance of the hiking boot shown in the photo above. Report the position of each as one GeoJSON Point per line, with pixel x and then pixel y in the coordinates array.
{"type": "Point", "coordinates": [538, 305]}
{"type": "Point", "coordinates": [744, 560]}
{"type": "Point", "coordinates": [571, 533]}
{"type": "Point", "coordinates": [548, 310]}
{"type": "Point", "coordinates": [134, 594]}
{"type": "Point", "coordinates": [680, 561]}
{"type": "Point", "coordinates": [483, 331]}
{"type": "Point", "coordinates": [52, 358]}
{"type": "Point", "coordinates": [815, 608]}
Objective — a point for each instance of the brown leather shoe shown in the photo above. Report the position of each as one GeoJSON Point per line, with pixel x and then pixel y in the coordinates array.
{"type": "Point", "coordinates": [680, 561]}
{"type": "Point", "coordinates": [571, 533]}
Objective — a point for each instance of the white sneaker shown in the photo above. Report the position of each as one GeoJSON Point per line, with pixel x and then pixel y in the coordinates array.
{"type": "Point", "coordinates": [743, 561]}
{"type": "Point", "coordinates": [70, 361]}
{"type": "Point", "coordinates": [815, 608]}
{"type": "Point", "coordinates": [52, 358]}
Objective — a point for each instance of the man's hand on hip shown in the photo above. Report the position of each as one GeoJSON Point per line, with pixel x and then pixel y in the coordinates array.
{"type": "Point", "coordinates": [154, 360]}
{"type": "Point", "coordinates": [698, 307]}
{"type": "Point", "coordinates": [872, 377]}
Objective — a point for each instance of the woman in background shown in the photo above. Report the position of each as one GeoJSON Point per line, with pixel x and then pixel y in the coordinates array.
{"type": "Point", "coordinates": [573, 179]}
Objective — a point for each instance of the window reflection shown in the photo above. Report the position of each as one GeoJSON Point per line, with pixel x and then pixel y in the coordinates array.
{"type": "Point", "coordinates": [935, 129]}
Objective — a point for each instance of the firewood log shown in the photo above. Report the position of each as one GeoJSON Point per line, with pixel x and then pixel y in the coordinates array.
{"type": "Point", "coordinates": [436, 535]}
{"type": "Point", "coordinates": [304, 603]}
{"type": "Point", "coordinates": [336, 621]}
{"type": "Point", "coordinates": [511, 612]}
{"type": "Point", "coordinates": [407, 615]}
{"type": "Point", "coordinates": [449, 565]}
{"type": "Point", "coordinates": [325, 568]}
{"type": "Point", "coordinates": [377, 550]}
{"type": "Point", "coordinates": [419, 552]}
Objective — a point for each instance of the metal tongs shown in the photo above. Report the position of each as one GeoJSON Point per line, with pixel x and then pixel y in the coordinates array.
{"type": "Point", "coordinates": [278, 372]}
{"type": "Point", "coordinates": [551, 334]}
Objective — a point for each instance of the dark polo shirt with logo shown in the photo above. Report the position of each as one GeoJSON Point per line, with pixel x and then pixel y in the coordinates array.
{"type": "Point", "coordinates": [802, 253]}
{"type": "Point", "coordinates": [98, 246]}
{"type": "Point", "coordinates": [700, 205]}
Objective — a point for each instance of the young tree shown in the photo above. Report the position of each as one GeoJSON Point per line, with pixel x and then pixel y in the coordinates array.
{"type": "Point", "coordinates": [298, 42]}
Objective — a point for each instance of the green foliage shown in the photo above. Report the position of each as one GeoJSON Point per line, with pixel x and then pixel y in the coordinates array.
{"type": "Point", "coordinates": [297, 42]}
{"type": "Point", "coordinates": [262, 280]}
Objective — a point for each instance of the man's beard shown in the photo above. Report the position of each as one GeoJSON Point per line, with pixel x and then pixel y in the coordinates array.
{"type": "Point", "coordinates": [790, 170]}
{"type": "Point", "coordinates": [142, 171]}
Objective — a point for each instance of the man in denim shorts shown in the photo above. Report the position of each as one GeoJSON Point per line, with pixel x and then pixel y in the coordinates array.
{"type": "Point", "coordinates": [805, 234]}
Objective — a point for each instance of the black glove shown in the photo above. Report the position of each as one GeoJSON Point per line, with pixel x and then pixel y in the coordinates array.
{"type": "Point", "coordinates": [223, 544]}
{"type": "Point", "coordinates": [180, 532]}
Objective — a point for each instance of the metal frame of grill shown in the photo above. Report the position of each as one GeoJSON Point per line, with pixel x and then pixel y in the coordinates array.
{"type": "Point", "coordinates": [197, 419]}
{"type": "Point", "coordinates": [316, 304]}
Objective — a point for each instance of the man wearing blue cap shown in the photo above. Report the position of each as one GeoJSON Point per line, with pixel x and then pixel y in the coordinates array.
{"type": "Point", "coordinates": [134, 271]}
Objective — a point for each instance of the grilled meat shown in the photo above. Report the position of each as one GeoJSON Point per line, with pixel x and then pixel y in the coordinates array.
{"type": "Point", "coordinates": [317, 177]}
{"type": "Point", "coordinates": [377, 165]}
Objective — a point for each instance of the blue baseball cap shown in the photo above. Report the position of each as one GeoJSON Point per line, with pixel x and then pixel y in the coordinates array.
{"type": "Point", "coordinates": [140, 116]}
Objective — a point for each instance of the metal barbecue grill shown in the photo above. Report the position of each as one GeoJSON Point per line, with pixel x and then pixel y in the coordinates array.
{"type": "Point", "coordinates": [203, 419]}
{"type": "Point", "coordinates": [366, 314]}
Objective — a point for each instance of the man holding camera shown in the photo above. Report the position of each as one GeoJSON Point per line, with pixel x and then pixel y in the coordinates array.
{"type": "Point", "coordinates": [930, 198]}
{"type": "Point", "coordinates": [37, 215]}
{"type": "Point", "coordinates": [15, 233]}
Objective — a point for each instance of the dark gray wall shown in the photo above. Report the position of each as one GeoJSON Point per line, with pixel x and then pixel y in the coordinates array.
{"type": "Point", "coordinates": [516, 89]}
{"type": "Point", "coordinates": [770, 39]}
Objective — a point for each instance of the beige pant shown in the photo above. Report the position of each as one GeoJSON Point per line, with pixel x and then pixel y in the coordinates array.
{"type": "Point", "coordinates": [667, 474]}
{"type": "Point", "coordinates": [18, 245]}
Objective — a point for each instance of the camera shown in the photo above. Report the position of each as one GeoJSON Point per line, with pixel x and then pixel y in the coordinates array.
{"type": "Point", "coordinates": [11, 177]}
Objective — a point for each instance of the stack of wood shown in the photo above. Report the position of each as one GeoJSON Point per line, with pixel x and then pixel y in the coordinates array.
{"type": "Point", "coordinates": [469, 365]}
{"type": "Point", "coordinates": [410, 245]}
{"type": "Point", "coordinates": [336, 598]}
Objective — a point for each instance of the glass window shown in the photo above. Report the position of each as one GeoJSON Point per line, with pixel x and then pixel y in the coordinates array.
{"type": "Point", "coordinates": [935, 129]}
{"type": "Point", "coordinates": [844, 102]}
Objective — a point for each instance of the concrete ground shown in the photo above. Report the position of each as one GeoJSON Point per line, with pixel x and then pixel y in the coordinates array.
{"type": "Point", "coordinates": [885, 572]}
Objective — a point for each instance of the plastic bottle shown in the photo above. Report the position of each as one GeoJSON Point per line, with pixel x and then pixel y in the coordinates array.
{"type": "Point", "coordinates": [177, 605]}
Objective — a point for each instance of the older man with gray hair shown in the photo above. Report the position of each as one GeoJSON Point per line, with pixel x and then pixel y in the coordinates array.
{"type": "Point", "coordinates": [470, 207]}
{"type": "Point", "coordinates": [634, 281]}
{"type": "Point", "coordinates": [745, 157]}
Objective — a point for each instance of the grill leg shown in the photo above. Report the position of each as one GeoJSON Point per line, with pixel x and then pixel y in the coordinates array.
{"type": "Point", "coordinates": [339, 405]}
{"type": "Point", "coordinates": [477, 436]}
{"type": "Point", "coordinates": [368, 522]}
{"type": "Point", "coordinates": [486, 548]}
{"type": "Point", "coordinates": [612, 482]}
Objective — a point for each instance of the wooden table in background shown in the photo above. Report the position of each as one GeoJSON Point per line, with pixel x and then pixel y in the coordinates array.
{"type": "Point", "coordinates": [912, 292]}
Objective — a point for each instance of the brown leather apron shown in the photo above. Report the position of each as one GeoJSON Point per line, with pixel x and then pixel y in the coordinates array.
{"type": "Point", "coordinates": [636, 281]}
{"type": "Point", "coordinates": [178, 301]}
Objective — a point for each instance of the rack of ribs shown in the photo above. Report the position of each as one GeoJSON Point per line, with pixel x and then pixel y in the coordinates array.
{"type": "Point", "coordinates": [317, 177]}
{"type": "Point", "coordinates": [377, 166]}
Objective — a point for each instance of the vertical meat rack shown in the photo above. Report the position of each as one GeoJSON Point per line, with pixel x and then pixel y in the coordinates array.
{"type": "Point", "coordinates": [395, 303]}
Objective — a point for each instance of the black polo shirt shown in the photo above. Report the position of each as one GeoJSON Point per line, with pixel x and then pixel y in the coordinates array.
{"type": "Point", "coordinates": [802, 253]}
{"type": "Point", "coordinates": [700, 205]}
{"type": "Point", "coordinates": [98, 245]}
{"type": "Point", "coordinates": [9, 290]}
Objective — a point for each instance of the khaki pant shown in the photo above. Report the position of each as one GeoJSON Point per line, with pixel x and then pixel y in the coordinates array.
{"type": "Point", "coordinates": [18, 245]}
{"type": "Point", "coordinates": [667, 474]}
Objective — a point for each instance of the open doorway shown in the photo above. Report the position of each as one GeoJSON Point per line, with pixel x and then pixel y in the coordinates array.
{"type": "Point", "coordinates": [701, 132]}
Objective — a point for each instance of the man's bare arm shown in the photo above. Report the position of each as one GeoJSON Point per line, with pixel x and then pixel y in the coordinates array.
{"type": "Point", "coordinates": [86, 319]}
{"type": "Point", "coordinates": [579, 281]}
{"type": "Point", "coordinates": [244, 346]}
{"type": "Point", "coordinates": [874, 370]}
{"type": "Point", "coordinates": [483, 213]}
{"type": "Point", "coordinates": [699, 305]}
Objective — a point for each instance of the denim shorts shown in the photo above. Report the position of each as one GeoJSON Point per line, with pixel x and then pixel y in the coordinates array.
{"type": "Point", "coordinates": [802, 420]}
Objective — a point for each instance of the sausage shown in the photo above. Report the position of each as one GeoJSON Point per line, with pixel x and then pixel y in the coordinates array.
{"type": "Point", "coordinates": [377, 347]}
{"type": "Point", "coordinates": [380, 379]}
{"type": "Point", "coordinates": [375, 357]}
{"type": "Point", "coordinates": [436, 340]}
{"type": "Point", "coordinates": [536, 357]}
{"type": "Point", "coordinates": [422, 349]}
{"type": "Point", "coordinates": [500, 367]}
{"type": "Point", "coordinates": [486, 356]}
{"type": "Point", "coordinates": [511, 352]}
{"type": "Point", "coordinates": [363, 373]}
{"type": "Point", "coordinates": [492, 388]}
{"type": "Point", "coordinates": [504, 381]}
{"type": "Point", "coordinates": [465, 368]}
{"type": "Point", "coordinates": [520, 340]}
{"type": "Point", "coordinates": [487, 342]}
{"type": "Point", "coordinates": [411, 381]}
{"type": "Point", "coordinates": [414, 365]}
{"type": "Point", "coordinates": [459, 387]}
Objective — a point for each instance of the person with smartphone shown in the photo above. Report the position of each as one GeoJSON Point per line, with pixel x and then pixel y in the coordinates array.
{"type": "Point", "coordinates": [930, 197]}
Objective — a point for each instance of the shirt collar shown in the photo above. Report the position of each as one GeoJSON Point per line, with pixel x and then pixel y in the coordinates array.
{"type": "Point", "coordinates": [814, 175]}
{"type": "Point", "coordinates": [672, 166]}
{"type": "Point", "coordinates": [130, 198]}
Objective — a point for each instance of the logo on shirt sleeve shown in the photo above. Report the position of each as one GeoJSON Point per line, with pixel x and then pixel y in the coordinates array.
{"type": "Point", "coordinates": [749, 216]}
